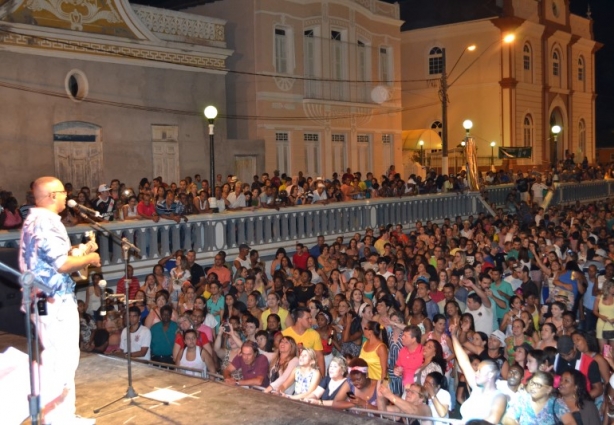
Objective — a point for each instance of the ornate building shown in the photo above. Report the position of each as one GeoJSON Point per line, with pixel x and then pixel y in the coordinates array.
{"type": "Point", "coordinates": [318, 81]}
{"type": "Point", "coordinates": [98, 90]}
{"type": "Point", "coordinates": [515, 90]}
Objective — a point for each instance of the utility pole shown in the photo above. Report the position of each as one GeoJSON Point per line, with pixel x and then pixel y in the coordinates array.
{"type": "Point", "coordinates": [443, 92]}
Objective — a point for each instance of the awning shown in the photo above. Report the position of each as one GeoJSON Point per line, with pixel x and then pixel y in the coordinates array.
{"type": "Point", "coordinates": [411, 138]}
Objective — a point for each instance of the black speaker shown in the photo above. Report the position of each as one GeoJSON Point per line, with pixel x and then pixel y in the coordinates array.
{"type": "Point", "coordinates": [12, 319]}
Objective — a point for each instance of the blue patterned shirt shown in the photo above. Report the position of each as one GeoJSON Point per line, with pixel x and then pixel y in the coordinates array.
{"type": "Point", "coordinates": [44, 249]}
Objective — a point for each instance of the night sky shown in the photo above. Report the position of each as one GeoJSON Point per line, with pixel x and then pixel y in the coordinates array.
{"type": "Point", "coordinates": [603, 16]}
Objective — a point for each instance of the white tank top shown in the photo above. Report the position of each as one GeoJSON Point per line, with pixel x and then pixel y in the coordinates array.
{"type": "Point", "coordinates": [475, 407]}
{"type": "Point", "coordinates": [197, 363]}
{"type": "Point", "coordinates": [94, 302]}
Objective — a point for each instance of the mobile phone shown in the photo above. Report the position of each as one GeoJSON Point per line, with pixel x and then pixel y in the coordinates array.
{"type": "Point", "coordinates": [226, 327]}
{"type": "Point", "coordinates": [350, 394]}
{"type": "Point", "coordinates": [607, 350]}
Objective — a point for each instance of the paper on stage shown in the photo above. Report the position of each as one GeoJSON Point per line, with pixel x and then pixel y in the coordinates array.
{"type": "Point", "coordinates": [166, 395]}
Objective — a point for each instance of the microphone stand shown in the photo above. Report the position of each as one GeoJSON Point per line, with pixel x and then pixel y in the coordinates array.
{"type": "Point", "coordinates": [127, 246]}
{"type": "Point", "coordinates": [28, 281]}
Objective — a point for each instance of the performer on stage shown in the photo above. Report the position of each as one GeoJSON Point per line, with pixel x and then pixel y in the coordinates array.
{"type": "Point", "coordinates": [44, 250]}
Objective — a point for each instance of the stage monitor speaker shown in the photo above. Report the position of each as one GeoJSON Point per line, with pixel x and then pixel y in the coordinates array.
{"type": "Point", "coordinates": [12, 319]}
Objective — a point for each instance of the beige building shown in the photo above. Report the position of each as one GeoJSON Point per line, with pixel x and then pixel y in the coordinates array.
{"type": "Point", "coordinates": [318, 81]}
{"type": "Point", "coordinates": [93, 91]}
{"type": "Point", "coordinates": [512, 91]}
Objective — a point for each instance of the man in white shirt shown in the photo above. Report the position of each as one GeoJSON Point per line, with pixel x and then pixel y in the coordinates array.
{"type": "Point", "coordinates": [538, 191]}
{"type": "Point", "coordinates": [236, 199]}
{"type": "Point", "coordinates": [480, 307]}
{"type": "Point", "coordinates": [140, 337]}
{"type": "Point", "coordinates": [319, 195]}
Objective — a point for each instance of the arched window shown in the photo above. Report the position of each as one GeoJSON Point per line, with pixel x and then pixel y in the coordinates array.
{"type": "Point", "coordinates": [581, 69]}
{"type": "Point", "coordinates": [526, 57]}
{"type": "Point", "coordinates": [582, 137]}
{"type": "Point", "coordinates": [435, 61]}
{"type": "Point", "coordinates": [527, 130]}
{"type": "Point", "coordinates": [556, 63]}
{"type": "Point", "coordinates": [437, 127]}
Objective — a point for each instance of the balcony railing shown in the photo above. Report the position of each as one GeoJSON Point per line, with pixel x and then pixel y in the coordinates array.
{"type": "Point", "coordinates": [267, 230]}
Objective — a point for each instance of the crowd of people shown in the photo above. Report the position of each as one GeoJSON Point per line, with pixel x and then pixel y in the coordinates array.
{"type": "Point", "coordinates": [156, 199]}
{"type": "Point", "coordinates": [506, 319]}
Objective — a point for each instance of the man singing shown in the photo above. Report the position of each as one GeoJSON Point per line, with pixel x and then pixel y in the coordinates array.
{"type": "Point", "coordinates": [44, 252]}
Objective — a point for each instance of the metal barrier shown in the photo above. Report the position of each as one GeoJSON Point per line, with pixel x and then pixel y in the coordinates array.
{"type": "Point", "coordinates": [406, 418]}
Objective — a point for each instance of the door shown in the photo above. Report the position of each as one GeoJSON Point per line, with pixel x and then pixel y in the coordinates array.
{"type": "Point", "coordinates": [78, 154]}
{"type": "Point", "coordinates": [165, 147]}
{"type": "Point", "coordinates": [245, 168]}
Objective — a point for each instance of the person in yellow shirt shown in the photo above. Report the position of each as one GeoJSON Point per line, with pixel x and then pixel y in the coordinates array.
{"type": "Point", "coordinates": [306, 337]}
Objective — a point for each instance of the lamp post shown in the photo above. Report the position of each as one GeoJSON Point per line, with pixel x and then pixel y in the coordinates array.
{"type": "Point", "coordinates": [421, 143]}
{"type": "Point", "coordinates": [556, 129]}
{"type": "Point", "coordinates": [210, 114]}
{"type": "Point", "coordinates": [443, 93]}
{"type": "Point", "coordinates": [492, 153]}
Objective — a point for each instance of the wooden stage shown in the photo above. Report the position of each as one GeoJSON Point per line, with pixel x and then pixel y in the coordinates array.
{"type": "Point", "coordinates": [101, 379]}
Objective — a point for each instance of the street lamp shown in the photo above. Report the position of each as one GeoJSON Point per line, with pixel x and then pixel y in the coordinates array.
{"type": "Point", "coordinates": [421, 143]}
{"type": "Point", "coordinates": [443, 93]}
{"type": "Point", "coordinates": [210, 114]}
{"type": "Point", "coordinates": [556, 129]}
{"type": "Point", "coordinates": [492, 152]}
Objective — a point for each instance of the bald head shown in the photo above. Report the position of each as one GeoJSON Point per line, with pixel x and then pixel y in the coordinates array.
{"type": "Point", "coordinates": [49, 193]}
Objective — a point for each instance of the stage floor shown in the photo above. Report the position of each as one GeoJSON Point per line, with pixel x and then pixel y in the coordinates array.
{"type": "Point", "coordinates": [101, 379]}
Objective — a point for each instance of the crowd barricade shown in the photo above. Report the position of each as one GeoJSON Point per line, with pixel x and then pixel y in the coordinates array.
{"type": "Point", "coordinates": [267, 229]}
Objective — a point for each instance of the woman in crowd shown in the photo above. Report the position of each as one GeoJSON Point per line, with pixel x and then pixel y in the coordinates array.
{"type": "Point", "coordinates": [140, 301]}
{"type": "Point", "coordinates": [353, 330]}
{"type": "Point", "coordinates": [604, 311]}
{"type": "Point", "coordinates": [193, 356]}
{"type": "Point", "coordinates": [252, 305]}
{"type": "Point", "coordinates": [336, 284]}
{"type": "Point", "coordinates": [517, 339]}
{"type": "Point", "coordinates": [439, 334]}
{"type": "Point", "coordinates": [556, 310]}
{"type": "Point", "coordinates": [586, 343]}
{"type": "Point", "coordinates": [433, 361]}
{"type": "Point", "coordinates": [327, 333]}
{"type": "Point", "coordinates": [283, 365]}
{"type": "Point", "coordinates": [200, 203]}
{"type": "Point", "coordinates": [151, 288]}
{"type": "Point", "coordinates": [538, 405]}
{"type": "Point", "coordinates": [334, 387]}
{"type": "Point", "coordinates": [453, 314]}
{"type": "Point", "coordinates": [161, 278]}
{"type": "Point", "coordinates": [155, 315]}
{"type": "Point", "coordinates": [529, 327]}
{"type": "Point", "coordinates": [227, 344]}
{"type": "Point", "coordinates": [93, 298]}
{"type": "Point", "coordinates": [548, 336]}
{"type": "Point", "coordinates": [394, 329]}
{"type": "Point", "coordinates": [363, 390]}
{"type": "Point", "coordinates": [515, 304]}
{"type": "Point", "coordinates": [440, 400]}
{"type": "Point", "coordinates": [356, 300]}
{"type": "Point", "coordinates": [305, 377]}
{"type": "Point", "coordinates": [86, 328]}
{"type": "Point", "coordinates": [418, 316]}
{"type": "Point", "coordinates": [276, 263]}
{"type": "Point", "coordinates": [413, 402]}
{"type": "Point", "coordinates": [10, 218]}
{"type": "Point", "coordinates": [113, 325]}
{"type": "Point", "coordinates": [572, 390]}
{"type": "Point", "coordinates": [210, 320]}
{"type": "Point", "coordinates": [374, 351]}
{"type": "Point", "coordinates": [317, 274]}
{"type": "Point", "coordinates": [179, 274]}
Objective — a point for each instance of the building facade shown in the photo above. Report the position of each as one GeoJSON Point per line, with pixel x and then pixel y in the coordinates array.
{"type": "Point", "coordinates": [318, 81]}
{"type": "Point", "coordinates": [111, 90]}
{"type": "Point", "coordinates": [532, 68]}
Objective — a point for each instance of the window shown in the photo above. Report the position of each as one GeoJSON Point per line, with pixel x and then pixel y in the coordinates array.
{"type": "Point", "coordinates": [362, 72]}
{"type": "Point", "coordinates": [435, 61]}
{"type": "Point", "coordinates": [528, 130]}
{"type": "Point", "coordinates": [312, 153]}
{"type": "Point", "coordinates": [312, 87]}
{"type": "Point", "coordinates": [339, 153]}
{"type": "Point", "coordinates": [283, 152]}
{"type": "Point", "coordinates": [385, 65]}
{"type": "Point", "coordinates": [337, 65]}
{"type": "Point", "coordinates": [437, 127]}
{"type": "Point", "coordinates": [582, 137]}
{"type": "Point", "coordinates": [526, 57]}
{"type": "Point", "coordinates": [364, 153]}
{"type": "Point", "coordinates": [580, 68]}
{"type": "Point", "coordinates": [281, 51]}
{"type": "Point", "coordinates": [556, 63]}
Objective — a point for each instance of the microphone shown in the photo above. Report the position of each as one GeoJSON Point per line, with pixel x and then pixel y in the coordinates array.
{"type": "Point", "coordinates": [83, 209]}
{"type": "Point", "coordinates": [103, 305]}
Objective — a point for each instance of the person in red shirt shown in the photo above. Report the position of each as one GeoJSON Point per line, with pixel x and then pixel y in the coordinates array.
{"type": "Point", "coordinates": [410, 356]}
{"type": "Point", "coordinates": [300, 258]}
{"type": "Point", "coordinates": [133, 287]}
{"type": "Point", "coordinates": [147, 209]}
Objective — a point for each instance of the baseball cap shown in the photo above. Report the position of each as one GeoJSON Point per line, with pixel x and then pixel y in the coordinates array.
{"type": "Point", "coordinates": [564, 345]}
{"type": "Point", "coordinates": [499, 335]}
{"type": "Point", "coordinates": [244, 246]}
{"type": "Point", "coordinates": [103, 188]}
{"type": "Point", "coordinates": [600, 252]}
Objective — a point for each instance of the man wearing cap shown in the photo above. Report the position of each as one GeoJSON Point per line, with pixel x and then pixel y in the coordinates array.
{"type": "Point", "coordinates": [242, 259]}
{"type": "Point", "coordinates": [569, 358]}
{"type": "Point", "coordinates": [105, 205]}
{"type": "Point", "coordinates": [319, 195]}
